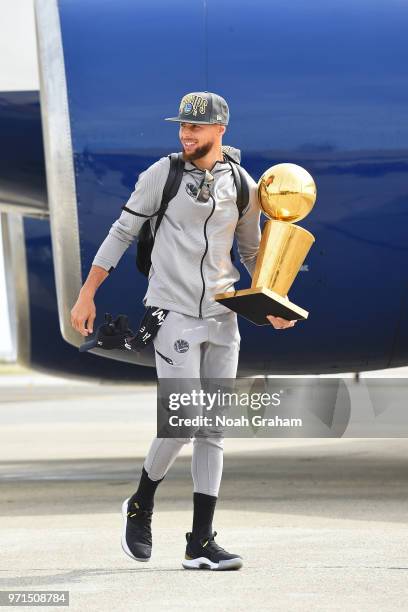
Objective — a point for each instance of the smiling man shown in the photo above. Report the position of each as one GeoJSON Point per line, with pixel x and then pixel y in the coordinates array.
{"type": "Point", "coordinates": [199, 337]}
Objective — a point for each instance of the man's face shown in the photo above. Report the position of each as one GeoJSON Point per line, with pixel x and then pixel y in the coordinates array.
{"type": "Point", "coordinates": [198, 140]}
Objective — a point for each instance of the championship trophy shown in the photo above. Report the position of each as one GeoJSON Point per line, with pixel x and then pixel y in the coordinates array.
{"type": "Point", "coordinates": [286, 193]}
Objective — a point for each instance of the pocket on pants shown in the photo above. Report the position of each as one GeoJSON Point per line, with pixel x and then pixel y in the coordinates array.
{"type": "Point", "coordinates": [231, 329]}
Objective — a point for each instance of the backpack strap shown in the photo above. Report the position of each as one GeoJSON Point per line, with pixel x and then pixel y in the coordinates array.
{"type": "Point", "coordinates": [242, 187]}
{"type": "Point", "coordinates": [242, 192]}
{"type": "Point", "coordinates": [171, 187]}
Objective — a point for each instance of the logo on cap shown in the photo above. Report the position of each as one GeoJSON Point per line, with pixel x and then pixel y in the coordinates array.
{"type": "Point", "coordinates": [193, 104]}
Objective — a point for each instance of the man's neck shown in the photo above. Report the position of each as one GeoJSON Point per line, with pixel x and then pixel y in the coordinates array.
{"type": "Point", "coordinates": [208, 161]}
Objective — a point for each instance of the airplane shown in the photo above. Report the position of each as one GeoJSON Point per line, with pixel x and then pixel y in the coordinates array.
{"type": "Point", "coordinates": [321, 85]}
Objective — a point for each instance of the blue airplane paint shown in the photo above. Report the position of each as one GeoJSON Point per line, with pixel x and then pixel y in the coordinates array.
{"type": "Point", "coordinates": [322, 86]}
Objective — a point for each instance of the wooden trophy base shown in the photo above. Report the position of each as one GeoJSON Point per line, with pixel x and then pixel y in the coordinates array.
{"type": "Point", "coordinates": [255, 304]}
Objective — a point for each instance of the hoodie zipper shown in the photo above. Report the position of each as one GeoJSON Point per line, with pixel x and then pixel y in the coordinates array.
{"type": "Point", "coordinates": [200, 316]}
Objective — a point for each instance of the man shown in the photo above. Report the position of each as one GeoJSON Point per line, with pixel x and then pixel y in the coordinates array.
{"type": "Point", "coordinates": [199, 337]}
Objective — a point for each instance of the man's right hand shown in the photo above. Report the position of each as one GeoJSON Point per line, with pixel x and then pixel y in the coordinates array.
{"type": "Point", "coordinates": [83, 313]}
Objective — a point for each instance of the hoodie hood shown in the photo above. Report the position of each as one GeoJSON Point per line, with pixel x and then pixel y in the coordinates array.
{"type": "Point", "coordinates": [232, 152]}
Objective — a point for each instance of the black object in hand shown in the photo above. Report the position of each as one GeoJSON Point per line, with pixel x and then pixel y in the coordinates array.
{"type": "Point", "coordinates": [112, 334]}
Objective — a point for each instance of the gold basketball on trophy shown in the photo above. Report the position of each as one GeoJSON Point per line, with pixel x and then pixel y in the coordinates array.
{"type": "Point", "coordinates": [286, 194]}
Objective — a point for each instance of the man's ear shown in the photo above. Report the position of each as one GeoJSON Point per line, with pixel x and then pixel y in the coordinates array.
{"type": "Point", "coordinates": [223, 129]}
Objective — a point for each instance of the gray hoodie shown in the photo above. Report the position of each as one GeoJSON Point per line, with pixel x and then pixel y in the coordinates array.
{"type": "Point", "coordinates": [191, 259]}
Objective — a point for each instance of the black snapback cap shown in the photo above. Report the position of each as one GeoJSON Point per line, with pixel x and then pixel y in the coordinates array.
{"type": "Point", "coordinates": [202, 107]}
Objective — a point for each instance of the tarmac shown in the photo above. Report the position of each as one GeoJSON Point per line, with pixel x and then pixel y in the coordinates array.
{"type": "Point", "coordinates": [320, 523]}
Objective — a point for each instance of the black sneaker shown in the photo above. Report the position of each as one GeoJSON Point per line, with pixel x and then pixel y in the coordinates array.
{"type": "Point", "coordinates": [137, 533]}
{"type": "Point", "coordinates": [206, 554]}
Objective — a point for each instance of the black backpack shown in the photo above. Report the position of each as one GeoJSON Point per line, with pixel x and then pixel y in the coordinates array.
{"type": "Point", "coordinates": [145, 239]}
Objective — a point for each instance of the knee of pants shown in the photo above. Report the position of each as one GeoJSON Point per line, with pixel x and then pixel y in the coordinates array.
{"type": "Point", "coordinates": [216, 441]}
{"type": "Point", "coordinates": [182, 440]}
{"type": "Point", "coordinates": [210, 432]}
{"type": "Point", "coordinates": [185, 431]}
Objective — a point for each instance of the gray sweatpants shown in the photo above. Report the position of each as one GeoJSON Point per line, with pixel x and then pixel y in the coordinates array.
{"type": "Point", "coordinates": [189, 347]}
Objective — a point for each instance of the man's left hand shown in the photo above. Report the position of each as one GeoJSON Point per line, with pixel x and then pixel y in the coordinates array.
{"type": "Point", "coordinates": [280, 323]}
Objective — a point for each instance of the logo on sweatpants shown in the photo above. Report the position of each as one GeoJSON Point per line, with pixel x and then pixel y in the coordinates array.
{"type": "Point", "coordinates": [181, 346]}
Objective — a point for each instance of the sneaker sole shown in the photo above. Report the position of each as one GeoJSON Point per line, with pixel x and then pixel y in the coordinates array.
{"type": "Point", "coordinates": [125, 547]}
{"type": "Point", "coordinates": [204, 563]}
